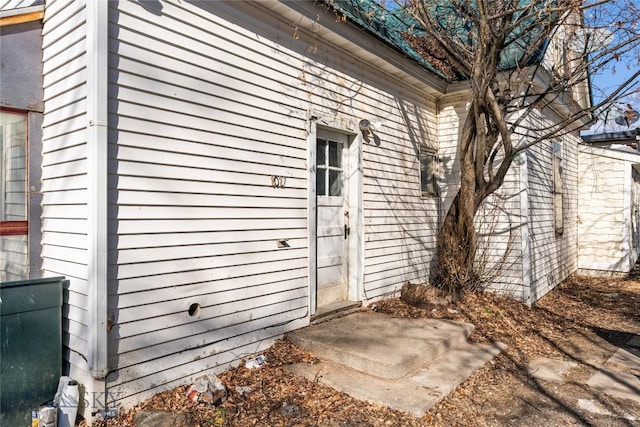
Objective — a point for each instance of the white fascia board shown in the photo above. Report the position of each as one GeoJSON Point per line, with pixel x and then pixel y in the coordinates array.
{"type": "Point", "coordinates": [612, 154]}
{"type": "Point", "coordinates": [312, 18]}
{"type": "Point", "coordinates": [563, 104]}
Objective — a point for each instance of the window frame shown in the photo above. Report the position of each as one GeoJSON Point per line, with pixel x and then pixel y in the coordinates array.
{"type": "Point", "coordinates": [16, 227]}
{"type": "Point", "coordinates": [427, 153]}
{"type": "Point", "coordinates": [327, 167]}
{"type": "Point", "coordinates": [558, 188]}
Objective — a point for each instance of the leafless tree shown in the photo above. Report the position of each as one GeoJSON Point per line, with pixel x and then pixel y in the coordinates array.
{"type": "Point", "coordinates": [517, 56]}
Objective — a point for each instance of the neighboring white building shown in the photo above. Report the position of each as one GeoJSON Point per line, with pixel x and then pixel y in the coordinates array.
{"type": "Point", "coordinates": [21, 109]}
{"type": "Point", "coordinates": [609, 210]}
{"type": "Point", "coordinates": [207, 185]}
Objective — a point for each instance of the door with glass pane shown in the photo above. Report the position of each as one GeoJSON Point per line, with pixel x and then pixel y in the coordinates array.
{"type": "Point", "coordinates": [332, 230]}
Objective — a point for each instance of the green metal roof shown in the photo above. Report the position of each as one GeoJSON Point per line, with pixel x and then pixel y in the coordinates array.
{"type": "Point", "coordinates": [395, 25]}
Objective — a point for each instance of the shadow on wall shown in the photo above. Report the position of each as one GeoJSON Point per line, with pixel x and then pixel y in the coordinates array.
{"type": "Point", "coordinates": [499, 253]}
{"type": "Point", "coordinates": [176, 299]}
{"type": "Point", "coordinates": [553, 255]}
{"type": "Point", "coordinates": [152, 6]}
{"type": "Point", "coordinates": [607, 232]}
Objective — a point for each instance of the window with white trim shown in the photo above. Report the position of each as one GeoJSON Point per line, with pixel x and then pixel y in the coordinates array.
{"type": "Point", "coordinates": [428, 167]}
{"type": "Point", "coordinates": [558, 189]}
{"type": "Point", "coordinates": [13, 196]}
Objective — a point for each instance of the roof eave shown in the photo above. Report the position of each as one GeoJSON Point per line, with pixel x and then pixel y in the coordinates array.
{"type": "Point", "coordinates": [355, 40]}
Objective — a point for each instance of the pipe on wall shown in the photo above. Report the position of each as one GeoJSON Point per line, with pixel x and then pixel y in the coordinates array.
{"type": "Point", "coordinates": [97, 87]}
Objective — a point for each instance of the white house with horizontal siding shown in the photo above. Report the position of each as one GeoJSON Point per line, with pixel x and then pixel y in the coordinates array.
{"type": "Point", "coordinates": [216, 174]}
{"type": "Point", "coordinates": [609, 207]}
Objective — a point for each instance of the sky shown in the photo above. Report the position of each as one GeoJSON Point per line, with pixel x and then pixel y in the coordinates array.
{"type": "Point", "coordinates": [605, 82]}
{"type": "Point", "coordinates": [610, 80]}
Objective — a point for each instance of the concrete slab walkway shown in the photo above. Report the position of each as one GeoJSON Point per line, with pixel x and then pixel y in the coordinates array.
{"type": "Point", "coordinates": [618, 377]}
{"type": "Point", "coordinates": [547, 369]}
{"type": "Point", "coordinates": [405, 364]}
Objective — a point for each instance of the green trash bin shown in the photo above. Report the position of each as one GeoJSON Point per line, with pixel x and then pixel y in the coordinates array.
{"type": "Point", "coordinates": [31, 346]}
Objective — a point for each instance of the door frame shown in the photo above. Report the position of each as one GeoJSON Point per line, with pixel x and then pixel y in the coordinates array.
{"type": "Point", "coordinates": [353, 175]}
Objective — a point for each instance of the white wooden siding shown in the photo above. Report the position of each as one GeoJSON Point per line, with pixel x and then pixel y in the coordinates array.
{"type": "Point", "coordinates": [553, 258]}
{"type": "Point", "coordinates": [634, 220]}
{"type": "Point", "coordinates": [64, 170]}
{"type": "Point", "coordinates": [498, 222]}
{"type": "Point", "coordinates": [14, 263]}
{"type": "Point", "coordinates": [205, 106]}
{"type": "Point", "coordinates": [499, 254]}
{"type": "Point", "coordinates": [550, 258]}
{"type": "Point", "coordinates": [608, 204]}
{"type": "Point", "coordinates": [19, 4]}
{"type": "Point", "coordinates": [400, 226]}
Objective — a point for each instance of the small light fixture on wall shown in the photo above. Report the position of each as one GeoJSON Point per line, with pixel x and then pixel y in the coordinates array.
{"type": "Point", "coordinates": [367, 128]}
{"type": "Point", "coordinates": [364, 125]}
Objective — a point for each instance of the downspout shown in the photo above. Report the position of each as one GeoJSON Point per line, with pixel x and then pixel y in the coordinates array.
{"type": "Point", "coordinates": [97, 54]}
{"type": "Point", "coordinates": [525, 238]}
{"type": "Point", "coordinates": [312, 214]}
{"type": "Point", "coordinates": [627, 242]}
{"type": "Point", "coordinates": [529, 294]}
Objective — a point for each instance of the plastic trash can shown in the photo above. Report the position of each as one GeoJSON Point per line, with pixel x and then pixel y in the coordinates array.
{"type": "Point", "coordinates": [31, 346]}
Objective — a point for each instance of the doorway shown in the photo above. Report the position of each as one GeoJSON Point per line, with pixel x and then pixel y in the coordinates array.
{"type": "Point", "coordinates": [335, 227]}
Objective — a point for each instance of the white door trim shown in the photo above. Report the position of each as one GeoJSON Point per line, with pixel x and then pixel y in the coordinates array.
{"type": "Point", "coordinates": [354, 178]}
{"type": "Point", "coordinates": [356, 220]}
{"type": "Point", "coordinates": [312, 216]}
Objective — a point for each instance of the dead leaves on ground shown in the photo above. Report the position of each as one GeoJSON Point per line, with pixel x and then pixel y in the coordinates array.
{"type": "Point", "coordinates": [270, 396]}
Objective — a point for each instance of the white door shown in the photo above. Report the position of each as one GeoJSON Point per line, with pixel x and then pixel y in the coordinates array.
{"type": "Point", "coordinates": [332, 226]}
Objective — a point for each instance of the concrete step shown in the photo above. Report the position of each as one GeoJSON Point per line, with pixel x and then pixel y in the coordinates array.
{"type": "Point", "coordinates": [415, 393]}
{"type": "Point", "coordinates": [337, 309]}
{"type": "Point", "coordinates": [382, 345]}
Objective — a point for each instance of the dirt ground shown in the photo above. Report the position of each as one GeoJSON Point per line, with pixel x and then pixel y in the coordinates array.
{"type": "Point", "coordinates": [583, 320]}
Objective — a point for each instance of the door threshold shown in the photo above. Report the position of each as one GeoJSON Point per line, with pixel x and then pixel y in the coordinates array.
{"type": "Point", "coordinates": [336, 309]}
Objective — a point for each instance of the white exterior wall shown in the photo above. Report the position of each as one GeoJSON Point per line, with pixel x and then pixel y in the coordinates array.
{"type": "Point", "coordinates": [608, 209]}
{"type": "Point", "coordinates": [634, 220]}
{"type": "Point", "coordinates": [399, 226]}
{"type": "Point", "coordinates": [207, 104]}
{"type": "Point", "coordinates": [553, 258]}
{"type": "Point", "coordinates": [518, 252]}
{"type": "Point", "coordinates": [499, 221]}
{"type": "Point", "coordinates": [452, 111]}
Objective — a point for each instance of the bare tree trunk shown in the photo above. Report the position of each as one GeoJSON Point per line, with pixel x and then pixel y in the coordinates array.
{"type": "Point", "coordinates": [497, 47]}
{"type": "Point", "coordinates": [452, 272]}
{"type": "Point", "coordinates": [456, 246]}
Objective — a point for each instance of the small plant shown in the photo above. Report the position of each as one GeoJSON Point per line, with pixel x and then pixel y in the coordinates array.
{"type": "Point", "coordinates": [220, 419]}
